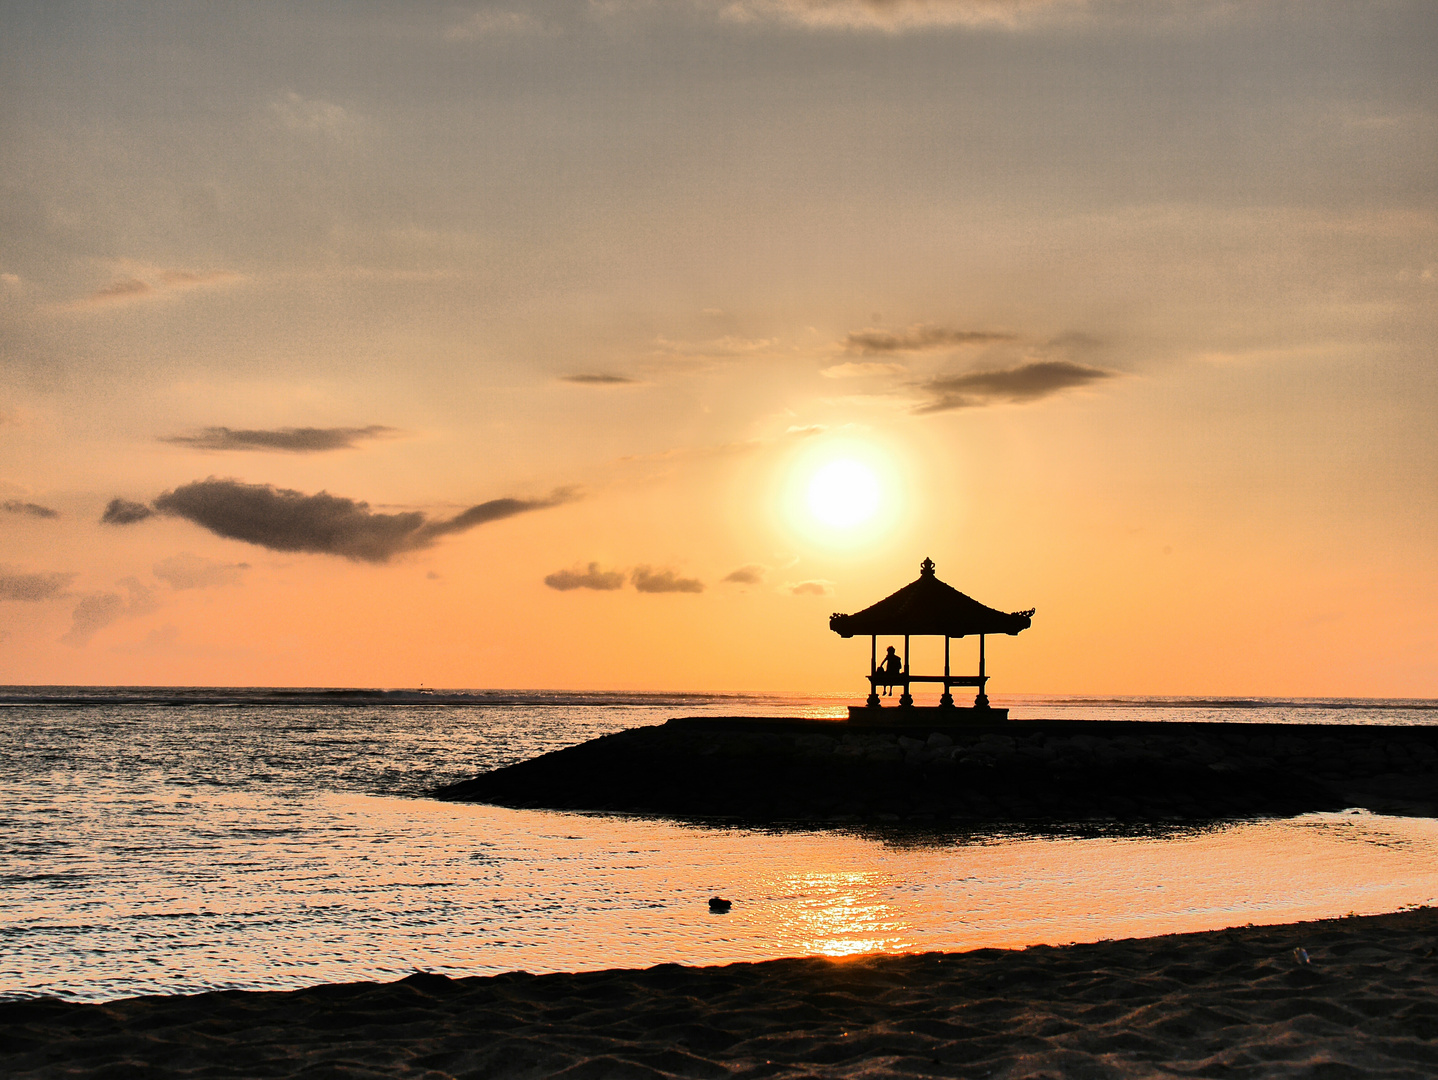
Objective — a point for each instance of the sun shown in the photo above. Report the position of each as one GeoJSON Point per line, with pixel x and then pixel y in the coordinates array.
{"type": "Point", "coordinates": [843, 493]}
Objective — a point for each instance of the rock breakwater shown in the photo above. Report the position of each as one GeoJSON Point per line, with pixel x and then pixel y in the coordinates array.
{"type": "Point", "coordinates": [1019, 771]}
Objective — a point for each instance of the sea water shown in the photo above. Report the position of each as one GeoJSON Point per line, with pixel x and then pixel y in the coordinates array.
{"type": "Point", "coordinates": [164, 841]}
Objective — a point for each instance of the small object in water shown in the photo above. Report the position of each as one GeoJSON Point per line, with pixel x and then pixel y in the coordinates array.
{"type": "Point", "coordinates": [1300, 955]}
{"type": "Point", "coordinates": [720, 906]}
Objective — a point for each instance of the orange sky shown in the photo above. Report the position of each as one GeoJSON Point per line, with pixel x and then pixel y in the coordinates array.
{"type": "Point", "coordinates": [1128, 311]}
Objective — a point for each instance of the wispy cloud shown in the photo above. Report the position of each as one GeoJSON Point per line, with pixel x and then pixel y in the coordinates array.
{"type": "Point", "coordinates": [29, 509]}
{"type": "Point", "coordinates": [922, 338]}
{"type": "Point", "coordinates": [186, 571]}
{"type": "Point", "coordinates": [495, 22]}
{"type": "Point", "coordinates": [744, 446]}
{"type": "Point", "coordinates": [599, 379]}
{"type": "Point", "coordinates": [15, 585]}
{"type": "Point", "coordinates": [313, 117]}
{"type": "Point", "coordinates": [98, 610]}
{"type": "Point", "coordinates": [591, 577]}
{"type": "Point", "coordinates": [862, 369]}
{"type": "Point", "coordinates": [124, 289]}
{"type": "Point", "coordinates": [815, 587]}
{"type": "Point", "coordinates": [291, 440]}
{"type": "Point", "coordinates": [124, 512]}
{"type": "Point", "coordinates": [898, 16]}
{"type": "Point", "coordinates": [752, 574]}
{"type": "Point", "coordinates": [648, 580]}
{"type": "Point", "coordinates": [285, 520]}
{"type": "Point", "coordinates": [1027, 382]}
{"type": "Point", "coordinates": [141, 282]}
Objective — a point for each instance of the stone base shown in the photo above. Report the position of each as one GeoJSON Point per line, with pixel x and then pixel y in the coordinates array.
{"type": "Point", "coordinates": [937, 715]}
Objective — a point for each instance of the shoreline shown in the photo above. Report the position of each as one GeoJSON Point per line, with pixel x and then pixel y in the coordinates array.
{"type": "Point", "coordinates": [1359, 1000]}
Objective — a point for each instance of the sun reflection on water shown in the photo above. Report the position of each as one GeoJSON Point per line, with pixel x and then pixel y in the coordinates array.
{"type": "Point", "coordinates": [840, 913]}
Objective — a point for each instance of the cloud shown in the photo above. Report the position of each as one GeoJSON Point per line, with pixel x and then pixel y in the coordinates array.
{"type": "Point", "coordinates": [922, 338]}
{"type": "Point", "coordinates": [284, 520]}
{"type": "Point", "coordinates": [186, 571]}
{"type": "Point", "coordinates": [15, 506]}
{"type": "Point", "coordinates": [124, 512]}
{"type": "Point", "coordinates": [1028, 382]}
{"type": "Point", "coordinates": [590, 578]}
{"type": "Point", "coordinates": [124, 289]}
{"type": "Point", "coordinates": [897, 16]}
{"type": "Point", "coordinates": [311, 116]}
{"type": "Point", "coordinates": [191, 279]}
{"type": "Point", "coordinates": [728, 347]}
{"type": "Point", "coordinates": [752, 574]}
{"type": "Point", "coordinates": [725, 449]}
{"type": "Point", "coordinates": [863, 369]}
{"type": "Point", "coordinates": [32, 587]}
{"type": "Point", "coordinates": [648, 580]}
{"type": "Point", "coordinates": [98, 610]}
{"type": "Point", "coordinates": [494, 22]}
{"type": "Point", "coordinates": [144, 282]}
{"type": "Point", "coordinates": [816, 587]}
{"type": "Point", "coordinates": [305, 440]}
{"type": "Point", "coordinates": [598, 379]}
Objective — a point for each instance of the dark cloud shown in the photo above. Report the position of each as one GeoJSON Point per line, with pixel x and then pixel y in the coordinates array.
{"type": "Point", "coordinates": [589, 578]}
{"type": "Point", "coordinates": [32, 587]}
{"type": "Point", "coordinates": [186, 571]}
{"type": "Point", "coordinates": [598, 379]}
{"type": "Point", "coordinates": [918, 339]}
{"type": "Point", "coordinates": [1028, 382]}
{"type": "Point", "coordinates": [15, 506]}
{"type": "Point", "coordinates": [753, 574]}
{"type": "Point", "coordinates": [817, 587]}
{"type": "Point", "coordinates": [661, 581]}
{"type": "Point", "coordinates": [307, 440]}
{"type": "Point", "coordinates": [125, 512]}
{"type": "Point", "coordinates": [285, 520]}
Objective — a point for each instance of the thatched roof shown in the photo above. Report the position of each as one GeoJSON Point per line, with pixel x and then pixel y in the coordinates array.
{"type": "Point", "coordinates": [928, 606]}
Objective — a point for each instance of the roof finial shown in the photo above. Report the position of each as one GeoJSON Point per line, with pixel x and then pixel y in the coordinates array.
{"type": "Point", "coordinates": [926, 568]}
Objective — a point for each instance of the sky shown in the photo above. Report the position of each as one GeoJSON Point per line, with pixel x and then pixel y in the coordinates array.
{"type": "Point", "coordinates": [616, 344]}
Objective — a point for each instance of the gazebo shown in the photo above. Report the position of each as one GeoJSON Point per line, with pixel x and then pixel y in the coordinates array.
{"type": "Point", "coordinates": [928, 606]}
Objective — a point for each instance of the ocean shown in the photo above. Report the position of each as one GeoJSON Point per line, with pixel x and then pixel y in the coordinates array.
{"type": "Point", "coordinates": [166, 841]}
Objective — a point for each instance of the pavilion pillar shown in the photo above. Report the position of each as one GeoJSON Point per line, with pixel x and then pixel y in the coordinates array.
{"type": "Point", "coordinates": [946, 701]}
{"type": "Point", "coordinates": [981, 701]}
{"type": "Point", "coordinates": [906, 699]}
{"type": "Point", "coordinates": [872, 701]}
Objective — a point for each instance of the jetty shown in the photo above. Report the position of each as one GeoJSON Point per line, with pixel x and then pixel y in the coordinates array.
{"type": "Point", "coordinates": [1030, 772]}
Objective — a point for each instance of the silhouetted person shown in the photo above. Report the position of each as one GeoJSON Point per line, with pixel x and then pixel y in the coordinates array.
{"type": "Point", "coordinates": [892, 667]}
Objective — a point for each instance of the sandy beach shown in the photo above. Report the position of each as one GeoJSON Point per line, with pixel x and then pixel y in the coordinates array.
{"type": "Point", "coordinates": [1360, 999]}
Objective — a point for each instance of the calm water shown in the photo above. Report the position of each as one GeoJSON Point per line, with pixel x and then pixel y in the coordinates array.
{"type": "Point", "coordinates": [161, 841]}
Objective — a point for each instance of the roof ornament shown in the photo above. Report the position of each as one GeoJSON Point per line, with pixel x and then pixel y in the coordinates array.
{"type": "Point", "coordinates": [926, 568]}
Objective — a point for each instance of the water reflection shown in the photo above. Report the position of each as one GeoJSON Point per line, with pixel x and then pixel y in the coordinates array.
{"type": "Point", "coordinates": [840, 913]}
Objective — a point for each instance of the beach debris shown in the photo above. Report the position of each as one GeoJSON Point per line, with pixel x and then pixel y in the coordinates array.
{"type": "Point", "coordinates": [1300, 956]}
{"type": "Point", "coordinates": [719, 906]}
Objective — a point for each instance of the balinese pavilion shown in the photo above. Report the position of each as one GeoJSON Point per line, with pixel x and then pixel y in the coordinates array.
{"type": "Point", "coordinates": [927, 606]}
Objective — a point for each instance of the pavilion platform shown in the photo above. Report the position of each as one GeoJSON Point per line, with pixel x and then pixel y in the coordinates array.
{"type": "Point", "coordinates": [934, 717]}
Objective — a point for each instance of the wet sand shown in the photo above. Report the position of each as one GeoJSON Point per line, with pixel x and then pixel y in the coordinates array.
{"type": "Point", "coordinates": [1228, 1003]}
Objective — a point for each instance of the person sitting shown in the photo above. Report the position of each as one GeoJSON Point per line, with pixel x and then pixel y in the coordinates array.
{"type": "Point", "coordinates": [892, 669]}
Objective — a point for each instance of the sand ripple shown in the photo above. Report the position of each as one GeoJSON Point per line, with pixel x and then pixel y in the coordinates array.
{"type": "Point", "coordinates": [1230, 1003]}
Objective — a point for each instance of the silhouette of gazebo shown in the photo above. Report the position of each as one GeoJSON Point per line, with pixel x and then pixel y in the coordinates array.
{"type": "Point", "coordinates": [927, 606]}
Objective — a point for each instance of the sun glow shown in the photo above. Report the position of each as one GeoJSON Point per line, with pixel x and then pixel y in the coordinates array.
{"type": "Point", "coordinates": [843, 493]}
{"type": "Point", "coordinates": [839, 493]}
